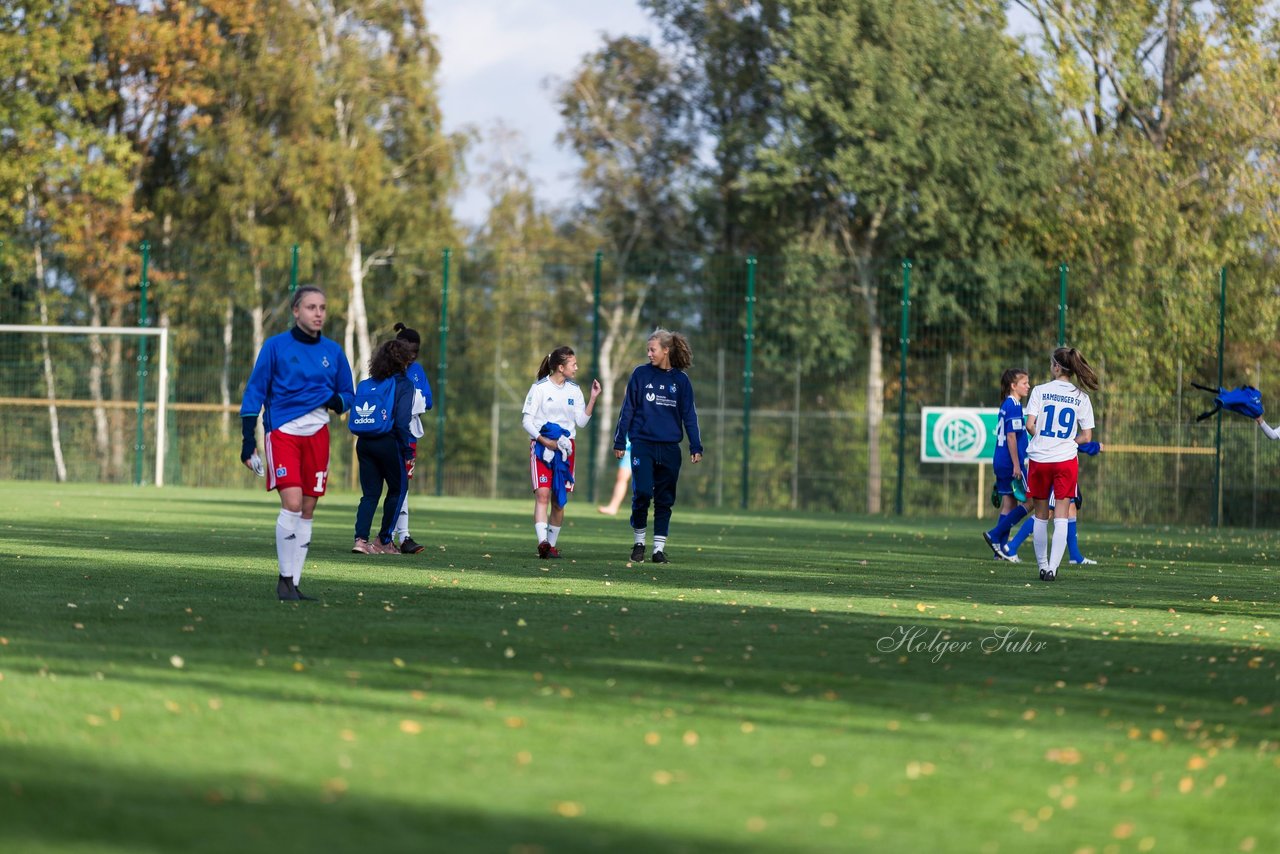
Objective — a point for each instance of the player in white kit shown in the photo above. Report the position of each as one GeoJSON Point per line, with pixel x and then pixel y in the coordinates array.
{"type": "Point", "coordinates": [1059, 418]}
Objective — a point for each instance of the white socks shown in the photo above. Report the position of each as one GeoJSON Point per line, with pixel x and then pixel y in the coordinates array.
{"type": "Point", "coordinates": [541, 529]}
{"type": "Point", "coordinates": [1059, 544]}
{"type": "Point", "coordinates": [401, 530]}
{"type": "Point", "coordinates": [1050, 557]}
{"type": "Point", "coordinates": [553, 534]}
{"type": "Point", "coordinates": [639, 532]}
{"type": "Point", "coordinates": [303, 546]}
{"type": "Point", "coordinates": [287, 540]}
{"type": "Point", "coordinates": [1040, 538]}
{"type": "Point", "coordinates": [659, 543]}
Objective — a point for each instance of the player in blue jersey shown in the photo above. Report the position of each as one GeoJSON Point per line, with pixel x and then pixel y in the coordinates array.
{"type": "Point", "coordinates": [421, 403]}
{"type": "Point", "coordinates": [1010, 457]}
{"type": "Point", "coordinates": [657, 412]}
{"type": "Point", "coordinates": [298, 378]}
{"type": "Point", "coordinates": [387, 458]}
{"type": "Point", "coordinates": [554, 402]}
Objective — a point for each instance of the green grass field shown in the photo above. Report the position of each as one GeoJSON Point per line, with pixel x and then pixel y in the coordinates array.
{"type": "Point", "coordinates": [756, 694]}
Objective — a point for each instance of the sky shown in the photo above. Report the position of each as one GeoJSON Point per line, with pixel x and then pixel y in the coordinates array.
{"type": "Point", "coordinates": [496, 58]}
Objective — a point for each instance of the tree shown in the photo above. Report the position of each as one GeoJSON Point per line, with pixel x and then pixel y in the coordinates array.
{"type": "Point", "coordinates": [392, 166]}
{"type": "Point", "coordinates": [64, 173]}
{"type": "Point", "coordinates": [1175, 129]}
{"type": "Point", "coordinates": [726, 50]}
{"type": "Point", "coordinates": [626, 116]}
{"type": "Point", "coordinates": [904, 127]}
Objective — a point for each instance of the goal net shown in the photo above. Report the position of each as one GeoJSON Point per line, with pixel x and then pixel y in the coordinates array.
{"type": "Point", "coordinates": [84, 403]}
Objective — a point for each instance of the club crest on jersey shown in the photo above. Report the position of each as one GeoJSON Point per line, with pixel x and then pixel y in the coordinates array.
{"type": "Point", "coordinates": [325, 361]}
{"type": "Point", "coordinates": [281, 471]}
{"type": "Point", "coordinates": [571, 401]}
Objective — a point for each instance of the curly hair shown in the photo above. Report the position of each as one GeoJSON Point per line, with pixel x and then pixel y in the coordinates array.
{"type": "Point", "coordinates": [391, 358]}
{"type": "Point", "coordinates": [677, 345]}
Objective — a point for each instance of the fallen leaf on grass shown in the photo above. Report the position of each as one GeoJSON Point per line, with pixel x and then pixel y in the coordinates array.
{"type": "Point", "coordinates": [410, 727]}
{"type": "Point", "coordinates": [1063, 755]}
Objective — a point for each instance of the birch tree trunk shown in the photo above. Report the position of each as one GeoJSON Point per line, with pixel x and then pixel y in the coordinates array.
{"type": "Point", "coordinates": [115, 369]}
{"type": "Point", "coordinates": [98, 356]}
{"type": "Point", "coordinates": [55, 433]}
{"type": "Point", "coordinates": [228, 337]}
{"type": "Point", "coordinates": [357, 315]}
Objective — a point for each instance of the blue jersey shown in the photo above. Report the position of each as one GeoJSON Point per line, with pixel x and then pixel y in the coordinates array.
{"type": "Point", "coordinates": [295, 374]}
{"type": "Point", "coordinates": [655, 408]}
{"type": "Point", "coordinates": [1010, 427]}
{"type": "Point", "coordinates": [418, 377]}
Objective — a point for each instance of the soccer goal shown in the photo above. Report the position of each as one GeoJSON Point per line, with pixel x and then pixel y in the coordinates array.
{"type": "Point", "coordinates": [77, 397]}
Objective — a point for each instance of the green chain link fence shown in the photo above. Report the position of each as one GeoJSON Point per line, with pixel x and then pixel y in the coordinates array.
{"type": "Point", "coordinates": [810, 372]}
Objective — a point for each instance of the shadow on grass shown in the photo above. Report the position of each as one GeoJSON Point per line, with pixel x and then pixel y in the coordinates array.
{"type": "Point", "coordinates": [787, 666]}
{"type": "Point", "coordinates": [51, 799]}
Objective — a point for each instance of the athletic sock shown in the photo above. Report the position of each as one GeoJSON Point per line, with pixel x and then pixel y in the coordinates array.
{"type": "Point", "coordinates": [1017, 539]}
{"type": "Point", "coordinates": [541, 529]}
{"type": "Point", "coordinates": [1059, 544]}
{"type": "Point", "coordinates": [659, 543]}
{"type": "Point", "coordinates": [1073, 547]}
{"type": "Point", "coordinates": [1040, 537]}
{"type": "Point", "coordinates": [1006, 522]}
{"type": "Point", "coordinates": [553, 533]}
{"type": "Point", "coordinates": [286, 540]}
{"type": "Point", "coordinates": [639, 532]}
{"type": "Point", "coordinates": [303, 546]}
{"type": "Point", "coordinates": [401, 531]}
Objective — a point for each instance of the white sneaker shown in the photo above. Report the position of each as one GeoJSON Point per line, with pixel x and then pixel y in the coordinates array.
{"type": "Point", "coordinates": [1012, 558]}
{"type": "Point", "coordinates": [1085, 562]}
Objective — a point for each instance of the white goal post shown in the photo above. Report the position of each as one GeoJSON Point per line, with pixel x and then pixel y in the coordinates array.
{"type": "Point", "coordinates": [162, 389]}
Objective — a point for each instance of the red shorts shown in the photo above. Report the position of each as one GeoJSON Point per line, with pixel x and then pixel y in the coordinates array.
{"type": "Point", "coordinates": [541, 472]}
{"type": "Point", "coordinates": [297, 461]}
{"type": "Point", "coordinates": [1058, 478]}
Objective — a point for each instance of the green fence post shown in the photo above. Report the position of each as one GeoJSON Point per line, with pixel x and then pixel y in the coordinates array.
{"type": "Point", "coordinates": [748, 338]}
{"type": "Point", "coordinates": [143, 320]}
{"type": "Point", "coordinates": [1217, 440]}
{"type": "Point", "coordinates": [1063, 269]}
{"type": "Point", "coordinates": [595, 366]}
{"type": "Point", "coordinates": [903, 340]}
{"type": "Point", "coordinates": [442, 375]}
{"type": "Point", "coordinates": [293, 269]}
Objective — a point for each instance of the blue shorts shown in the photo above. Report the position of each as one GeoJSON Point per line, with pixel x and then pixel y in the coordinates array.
{"type": "Point", "coordinates": [625, 462]}
{"type": "Point", "coordinates": [1005, 485]}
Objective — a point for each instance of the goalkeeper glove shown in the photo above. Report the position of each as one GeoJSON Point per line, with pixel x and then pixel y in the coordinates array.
{"type": "Point", "coordinates": [248, 426]}
{"type": "Point", "coordinates": [1090, 448]}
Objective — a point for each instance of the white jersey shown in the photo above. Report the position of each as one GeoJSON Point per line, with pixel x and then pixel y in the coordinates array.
{"type": "Point", "coordinates": [560, 404]}
{"type": "Point", "coordinates": [1061, 410]}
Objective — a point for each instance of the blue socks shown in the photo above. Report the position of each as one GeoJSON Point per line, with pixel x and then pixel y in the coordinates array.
{"type": "Point", "coordinates": [1006, 522]}
{"type": "Point", "coordinates": [1025, 531]}
{"type": "Point", "coordinates": [1072, 546]}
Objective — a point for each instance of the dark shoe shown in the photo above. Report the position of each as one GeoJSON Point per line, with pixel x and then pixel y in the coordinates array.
{"type": "Point", "coordinates": [409, 547]}
{"type": "Point", "coordinates": [993, 545]}
{"type": "Point", "coordinates": [659, 557]}
{"type": "Point", "coordinates": [544, 550]}
{"type": "Point", "coordinates": [304, 597]}
{"type": "Point", "coordinates": [286, 591]}
{"type": "Point", "coordinates": [637, 553]}
{"type": "Point", "coordinates": [553, 553]}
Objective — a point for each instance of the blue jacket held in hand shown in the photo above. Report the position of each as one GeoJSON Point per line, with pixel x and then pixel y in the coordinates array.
{"type": "Point", "coordinates": [560, 475]}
